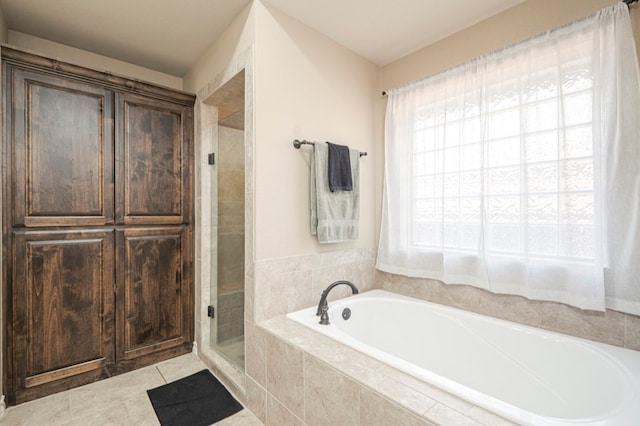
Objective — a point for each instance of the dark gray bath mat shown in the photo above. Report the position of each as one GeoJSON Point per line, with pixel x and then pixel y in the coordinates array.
{"type": "Point", "coordinates": [196, 400]}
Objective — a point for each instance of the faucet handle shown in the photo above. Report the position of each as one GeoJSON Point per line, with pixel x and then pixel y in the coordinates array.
{"type": "Point", "coordinates": [324, 319]}
{"type": "Point", "coordinates": [322, 308]}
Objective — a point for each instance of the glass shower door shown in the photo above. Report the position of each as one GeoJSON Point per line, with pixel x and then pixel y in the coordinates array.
{"type": "Point", "coordinates": [228, 209]}
{"type": "Point", "coordinates": [230, 249]}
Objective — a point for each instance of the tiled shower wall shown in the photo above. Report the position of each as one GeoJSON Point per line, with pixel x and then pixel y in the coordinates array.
{"type": "Point", "coordinates": [230, 316]}
{"type": "Point", "coordinates": [231, 177]}
{"type": "Point", "coordinates": [207, 133]}
{"type": "Point", "coordinates": [231, 207]}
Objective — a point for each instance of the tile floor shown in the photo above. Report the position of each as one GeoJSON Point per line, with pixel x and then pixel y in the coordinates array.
{"type": "Point", "coordinates": [117, 401]}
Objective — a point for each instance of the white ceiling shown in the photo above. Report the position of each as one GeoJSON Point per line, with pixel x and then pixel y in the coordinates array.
{"type": "Point", "coordinates": [386, 30]}
{"type": "Point", "coordinates": [170, 35]}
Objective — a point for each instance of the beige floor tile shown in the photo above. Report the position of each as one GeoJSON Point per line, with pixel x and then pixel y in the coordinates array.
{"type": "Point", "coordinates": [180, 367]}
{"type": "Point", "coordinates": [141, 412]}
{"type": "Point", "coordinates": [114, 391]}
{"type": "Point", "coordinates": [112, 416]}
{"type": "Point", "coordinates": [243, 418]}
{"type": "Point", "coordinates": [51, 411]}
{"type": "Point", "coordinates": [118, 401]}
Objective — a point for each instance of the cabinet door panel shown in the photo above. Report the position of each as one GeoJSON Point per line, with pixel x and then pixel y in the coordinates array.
{"type": "Point", "coordinates": [154, 291]}
{"type": "Point", "coordinates": [62, 151]}
{"type": "Point", "coordinates": [63, 302]}
{"type": "Point", "coordinates": [152, 168]}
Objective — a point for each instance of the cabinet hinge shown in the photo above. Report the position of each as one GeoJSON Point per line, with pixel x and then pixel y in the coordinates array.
{"type": "Point", "coordinates": [212, 158]}
{"type": "Point", "coordinates": [210, 311]}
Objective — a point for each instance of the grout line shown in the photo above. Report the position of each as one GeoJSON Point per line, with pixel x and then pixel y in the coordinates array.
{"type": "Point", "coordinates": [161, 375]}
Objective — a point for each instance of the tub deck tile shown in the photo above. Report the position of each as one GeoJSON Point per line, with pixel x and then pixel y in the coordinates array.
{"type": "Point", "coordinates": [376, 410]}
{"type": "Point", "coordinates": [399, 393]}
{"type": "Point", "coordinates": [279, 415]}
{"type": "Point", "coordinates": [331, 393]}
{"type": "Point", "coordinates": [443, 415]}
{"type": "Point", "coordinates": [285, 374]}
{"type": "Point", "coordinates": [430, 391]}
{"type": "Point", "coordinates": [487, 418]}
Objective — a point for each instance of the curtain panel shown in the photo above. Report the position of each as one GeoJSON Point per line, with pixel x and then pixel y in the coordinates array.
{"type": "Point", "coordinates": [518, 172]}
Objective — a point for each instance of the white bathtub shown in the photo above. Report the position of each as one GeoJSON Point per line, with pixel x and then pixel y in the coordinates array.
{"type": "Point", "coordinates": [525, 374]}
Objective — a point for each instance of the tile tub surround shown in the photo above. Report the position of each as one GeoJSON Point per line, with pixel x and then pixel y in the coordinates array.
{"type": "Point", "coordinates": [289, 284]}
{"type": "Point", "coordinates": [310, 379]}
{"type": "Point", "coordinates": [286, 285]}
{"type": "Point", "coordinates": [292, 372]}
{"type": "Point", "coordinates": [611, 327]}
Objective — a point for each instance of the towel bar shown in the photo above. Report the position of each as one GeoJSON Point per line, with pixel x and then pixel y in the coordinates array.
{"type": "Point", "coordinates": [298, 143]}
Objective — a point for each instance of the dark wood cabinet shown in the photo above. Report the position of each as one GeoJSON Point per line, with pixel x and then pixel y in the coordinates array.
{"type": "Point", "coordinates": [97, 224]}
{"type": "Point", "coordinates": [154, 168]}
{"type": "Point", "coordinates": [63, 308]}
{"type": "Point", "coordinates": [62, 150]}
{"type": "Point", "coordinates": [152, 288]}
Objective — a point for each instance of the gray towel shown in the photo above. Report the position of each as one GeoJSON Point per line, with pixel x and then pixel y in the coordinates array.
{"type": "Point", "coordinates": [339, 168]}
{"type": "Point", "coordinates": [334, 215]}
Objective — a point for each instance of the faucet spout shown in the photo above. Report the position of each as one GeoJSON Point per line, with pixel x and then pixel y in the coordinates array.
{"type": "Point", "coordinates": [323, 306]}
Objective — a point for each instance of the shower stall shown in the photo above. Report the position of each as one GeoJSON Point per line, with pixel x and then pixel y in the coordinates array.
{"type": "Point", "coordinates": [226, 310]}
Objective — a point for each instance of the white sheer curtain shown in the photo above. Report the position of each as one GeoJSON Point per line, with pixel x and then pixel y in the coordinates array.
{"type": "Point", "coordinates": [518, 172]}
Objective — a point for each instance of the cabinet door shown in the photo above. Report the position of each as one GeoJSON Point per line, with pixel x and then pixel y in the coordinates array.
{"type": "Point", "coordinates": [153, 148]}
{"type": "Point", "coordinates": [61, 134]}
{"type": "Point", "coordinates": [154, 292]}
{"type": "Point", "coordinates": [62, 309]}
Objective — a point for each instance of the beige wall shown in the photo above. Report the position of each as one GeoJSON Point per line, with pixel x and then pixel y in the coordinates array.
{"type": "Point", "coordinates": [91, 60]}
{"type": "Point", "coordinates": [4, 31]}
{"type": "Point", "coordinates": [307, 87]}
{"type": "Point", "coordinates": [523, 21]}
{"type": "Point", "coordinates": [237, 38]}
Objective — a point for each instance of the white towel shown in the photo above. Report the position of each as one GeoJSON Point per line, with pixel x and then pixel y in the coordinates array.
{"type": "Point", "coordinates": [334, 215]}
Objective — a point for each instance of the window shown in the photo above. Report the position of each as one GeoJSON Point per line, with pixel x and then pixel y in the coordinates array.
{"type": "Point", "coordinates": [510, 172]}
{"type": "Point", "coordinates": [522, 163]}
